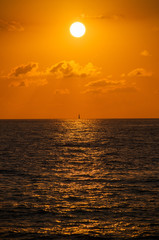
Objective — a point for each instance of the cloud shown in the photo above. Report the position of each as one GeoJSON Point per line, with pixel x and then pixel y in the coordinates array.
{"type": "Point", "coordinates": [24, 69]}
{"type": "Point", "coordinates": [109, 76]}
{"type": "Point", "coordinates": [28, 82]}
{"type": "Point", "coordinates": [93, 91]}
{"type": "Point", "coordinates": [29, 74]}
{"type": "Point", "coordinates": [139, 72]}
{"type": "Point", "coordinates": [103, 17]}
{"type": "Point", "coordinates": [69, 69]}
{"type": "Point", "coordinates": [117, 89]}
{"type": "Point", "coordinates": [123, 75]}
{"type": "Point", "coordinates": [145, 53]}
{"type": "Point", "coordinates": [101, 83]}
{"type": "Point", "coordinates": [62, 91]}
{"type": "Point", "coordinates": [103, 86]}
{"type": "Point", "coordinates": [10, 26]}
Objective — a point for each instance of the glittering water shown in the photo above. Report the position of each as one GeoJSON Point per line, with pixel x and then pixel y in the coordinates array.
{"type": "Point", "coordinates": [79, 179]}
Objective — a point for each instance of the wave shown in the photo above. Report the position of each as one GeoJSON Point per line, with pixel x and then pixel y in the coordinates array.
{"type": "Point", "coordinates": [35, 236]}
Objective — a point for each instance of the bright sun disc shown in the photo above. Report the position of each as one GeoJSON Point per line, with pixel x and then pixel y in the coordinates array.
{"type": "Point", "coordinates": [77, 29]}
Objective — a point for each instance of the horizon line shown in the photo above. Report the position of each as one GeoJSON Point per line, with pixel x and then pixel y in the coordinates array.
{"type": "Point", "coordinates": [113, 118]}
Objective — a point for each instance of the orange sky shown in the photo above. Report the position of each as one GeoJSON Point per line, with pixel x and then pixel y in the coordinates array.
{"type": "Point", "coordinates": [111, 72]}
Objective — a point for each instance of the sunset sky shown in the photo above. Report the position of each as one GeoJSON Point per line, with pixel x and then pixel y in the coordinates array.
{"type": "Point", "coordinates": [110, 72]}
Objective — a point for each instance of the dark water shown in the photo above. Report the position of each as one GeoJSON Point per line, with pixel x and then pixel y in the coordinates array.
{"type": "Point", "coordinates": [79, 179]}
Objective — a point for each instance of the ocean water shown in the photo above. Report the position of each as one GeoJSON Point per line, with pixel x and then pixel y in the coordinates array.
{"type": "Point", "coordinates": [79, 179]}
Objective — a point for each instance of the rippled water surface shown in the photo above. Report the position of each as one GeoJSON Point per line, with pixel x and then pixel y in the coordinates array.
{"type": "Point", "coordinates": [79, 179]}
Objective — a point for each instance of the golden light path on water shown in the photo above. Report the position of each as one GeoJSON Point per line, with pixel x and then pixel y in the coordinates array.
{"type": "Point", "coordinates": [79, 178]}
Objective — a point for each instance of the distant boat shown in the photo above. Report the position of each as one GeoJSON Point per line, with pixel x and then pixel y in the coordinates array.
{"type": "Point", "coordinates": [79, 117]}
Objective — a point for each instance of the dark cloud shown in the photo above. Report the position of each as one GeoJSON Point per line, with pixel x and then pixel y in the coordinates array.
{"type": "Point", "coordinates": [10, 26]}
{"type": "Point", "coordinates": [139, 72]}
{"type": "Point", "coordinates": [29, 74]}
{"type": "Point", "coordinates": [24, 69]}
{"type": "Point", "coordinates": [68, 69]}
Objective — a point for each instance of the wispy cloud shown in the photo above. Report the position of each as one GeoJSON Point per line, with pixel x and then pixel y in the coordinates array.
{"type": "Point", "coordinates": [103, 16]}
{"type": "Point", "coordinates": [10, 26]}
{"type": "Point", "coordinates": [125, 89]}
{"type": "Point", "coordinates": [103, 86]}
{"type": "Point", "coordinates": [101, 83]}
{"type": "Point", "coordinates": [28, 82]}
{"type": "Point", "coordinates": [145, 53]}
{"type": "Point", "coordinates": [123, 75]}
{"type": "Point", "coordinates": [139, 72]}
{"type": "Point", "coordinates": [62, 91]}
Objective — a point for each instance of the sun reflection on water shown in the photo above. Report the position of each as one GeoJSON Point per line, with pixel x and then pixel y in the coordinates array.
{"type": "Point", "coordinates": [81, 180]}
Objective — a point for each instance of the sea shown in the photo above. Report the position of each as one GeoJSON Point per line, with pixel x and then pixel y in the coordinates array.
{"type": "Point", "coordinates": [79, 179]}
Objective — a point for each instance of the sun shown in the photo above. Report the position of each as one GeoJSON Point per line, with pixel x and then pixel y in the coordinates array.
{"type": "Point", "coordinates": [77, 29]}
